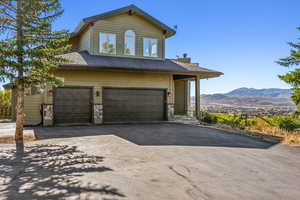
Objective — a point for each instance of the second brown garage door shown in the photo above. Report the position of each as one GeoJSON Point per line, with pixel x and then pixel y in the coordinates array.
{"type": "Point", "coordinates": [133, 105]}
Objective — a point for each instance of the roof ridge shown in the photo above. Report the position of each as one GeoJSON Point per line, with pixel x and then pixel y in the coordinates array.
{"type": "Point", "coordinates": [107, 12]}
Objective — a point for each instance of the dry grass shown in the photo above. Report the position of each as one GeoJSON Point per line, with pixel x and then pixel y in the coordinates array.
{"type": "Point", "coordinates": [11, 140]}
{"type": "Point", "coordinates": [263, 127]}
{"type": "Point", "coordinates": [5, 120]}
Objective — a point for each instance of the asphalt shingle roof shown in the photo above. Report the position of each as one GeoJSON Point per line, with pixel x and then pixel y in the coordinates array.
{"type": "Point", "coordinates": [84, 61]}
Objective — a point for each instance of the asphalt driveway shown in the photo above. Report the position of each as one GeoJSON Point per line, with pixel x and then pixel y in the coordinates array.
{"type": "Point", "coordinates": [149, 161]}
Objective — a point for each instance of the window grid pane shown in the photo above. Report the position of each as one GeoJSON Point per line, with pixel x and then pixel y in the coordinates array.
{"type": "Point", "coordinates": [107, 43]}
{"type": "Point", "coordinates": [129, 43]}
{"type": "Point", "coordinates": [146, 47]}
{"type": "Point", "coordinates": [154, 48]}
{"type": "Point", "coordinates": [150, 47]}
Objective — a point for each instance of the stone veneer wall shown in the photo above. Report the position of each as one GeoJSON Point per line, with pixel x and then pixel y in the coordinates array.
{"type": "Point", "coordinates": [98, 114]}
{"type": "Point", "coordinates": [47, 114]}
{"type": "Point", "coordinates": [170, 112]}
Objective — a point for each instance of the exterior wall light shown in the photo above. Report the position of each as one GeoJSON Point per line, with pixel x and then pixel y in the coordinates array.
{"type": "Point", "coordinates": [97, 93]}
{"type": "Point", "coordinates": [50, 93]}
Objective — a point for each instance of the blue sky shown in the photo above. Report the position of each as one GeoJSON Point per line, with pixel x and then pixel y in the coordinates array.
{"type": "Point", "coordinates": [242, 39]}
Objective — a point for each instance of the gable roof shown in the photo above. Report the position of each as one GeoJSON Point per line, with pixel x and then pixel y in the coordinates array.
{"type": "Point", "coordinates": [86, 62]}
{"type": "Point", "coordinates": [131, 9]}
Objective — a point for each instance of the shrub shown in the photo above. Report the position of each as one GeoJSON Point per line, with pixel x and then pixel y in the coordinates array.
{"type": "Point", "coordinates": [5, 104]}
{"type": "Point", "coordinates": [210, 119]}
{"type": "Point", "coordinates": [207, 118]}
{"type": "Point", "coordinates": [286, 123]}
{"type": "Point", "coordinates": [285, 127]}
{"type": "Point", "coordinates": [5, 98]}
{"type": "Point", "coordinates": [233, 121]}
{"type": "Point", "coordinates": [5, 112]}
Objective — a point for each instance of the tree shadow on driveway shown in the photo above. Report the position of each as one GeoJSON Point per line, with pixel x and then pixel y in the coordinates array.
{"type": "Point", "coordinates": [51, 172]}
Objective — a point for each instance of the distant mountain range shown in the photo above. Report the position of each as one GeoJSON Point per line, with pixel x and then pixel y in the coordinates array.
{"type": "Point", "coordinates": [267, 93]}
{"type": "Point", "coordinates": [250, 97]}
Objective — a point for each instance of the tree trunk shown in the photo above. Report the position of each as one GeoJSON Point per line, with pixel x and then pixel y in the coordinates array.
{"type": "Point", "coordinates": [20, 83]}
{"type": "Point", "coordinates": [19, 120]}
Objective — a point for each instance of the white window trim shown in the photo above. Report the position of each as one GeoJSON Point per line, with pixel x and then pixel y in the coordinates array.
{"type": "Point", "coordinates": [114, 42]}
{"type": "Point", "coordinates": [157, 40]}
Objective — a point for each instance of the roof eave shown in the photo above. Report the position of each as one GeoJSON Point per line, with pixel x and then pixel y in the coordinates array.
{"type": "Point", "coordinates": [80, 28]}
{"type": "Point", "coordinates": [210, 75]}
{"type": "Point", "coordinates": [169, 31]}
{"type": "Point", "coordinates": [77, 67]}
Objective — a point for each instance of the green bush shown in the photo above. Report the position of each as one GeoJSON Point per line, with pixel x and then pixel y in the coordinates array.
{"type": "Point", "coordinates": [5, 98]}
{"type": "Point", "coordinates": [210, 119]}
{"type": "Point", "coordinates": [5, 112]}
{"type": "Point", "coordinates": [233, 121]}
{"type": "Point", "coordinates": [283, 122]}
{"type": "Point", "coordinates": [286, 123]}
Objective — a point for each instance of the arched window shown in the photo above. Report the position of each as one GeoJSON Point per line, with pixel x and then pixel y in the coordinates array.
{"type": "Point", "coordinates": [129, 43]}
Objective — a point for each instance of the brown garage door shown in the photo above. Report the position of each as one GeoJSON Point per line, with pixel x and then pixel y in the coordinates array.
{"type": "Point", "coordinates": [133, 105]}
{"type": "Point", "coordinates": [72, 105]}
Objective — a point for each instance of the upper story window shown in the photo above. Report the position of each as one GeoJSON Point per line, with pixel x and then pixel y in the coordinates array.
{"type": "Point", "coordinates": [150, 47]}
{"type": "Point", "coordinates": [107, 43]}
{"type": "Point", "coordinates": [129, 43]}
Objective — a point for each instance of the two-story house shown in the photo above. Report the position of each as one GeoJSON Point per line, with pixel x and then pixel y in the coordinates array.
{"type": "Point", "coordinates": [118, 73]}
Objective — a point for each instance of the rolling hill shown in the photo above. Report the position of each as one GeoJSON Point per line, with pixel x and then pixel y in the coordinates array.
{"type": "Point", "coordinates": [250, 97]}
{"type": "Point", "coordinates": [268, 93]}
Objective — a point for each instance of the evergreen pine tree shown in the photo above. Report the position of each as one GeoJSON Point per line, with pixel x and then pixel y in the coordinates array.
{"type": "Point", "coordinates": [28, 49]}
{"type": "Point", "coordinates": [293, 77]}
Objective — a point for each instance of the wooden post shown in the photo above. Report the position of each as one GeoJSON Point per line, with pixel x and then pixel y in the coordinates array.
{"type": "Point", "coordinates": [187, 96]}
{"type": "Point", "coordinates": [197, 95]}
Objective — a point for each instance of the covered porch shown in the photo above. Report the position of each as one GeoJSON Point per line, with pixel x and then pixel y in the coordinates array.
{"type": "Point", "coordinates": [186, 97]}
{"type": "Point", "coordinates": [186, 89]}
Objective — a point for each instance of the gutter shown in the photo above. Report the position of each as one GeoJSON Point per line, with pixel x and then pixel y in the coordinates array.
{"type": "Point", "coordinates": [73, 67]}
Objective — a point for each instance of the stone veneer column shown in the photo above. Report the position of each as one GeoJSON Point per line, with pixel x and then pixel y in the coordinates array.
{"type": "Point", "coordinates": [98, 114]}
{"type": "Point", "coordinates": [97, 107]}
{"type": "Point", "coordinates": [47, 114]}
{"type": "Point", "coordinates": [170, 111]}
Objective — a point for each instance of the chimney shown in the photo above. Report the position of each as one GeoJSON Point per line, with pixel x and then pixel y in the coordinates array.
{"type": "Point", "coordinates": [184, 58]}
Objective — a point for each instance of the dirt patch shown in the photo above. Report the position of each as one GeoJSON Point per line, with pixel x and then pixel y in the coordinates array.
{"type": "Point", "coordinates": [5, 120]}
{"type": "Point", "coordinates": [257, 135]}
{"type": "Point", "coordinates": [11, 140]}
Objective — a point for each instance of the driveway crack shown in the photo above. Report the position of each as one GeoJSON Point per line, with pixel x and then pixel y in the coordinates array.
{"type": "Point", "coordinates": [191, 192]}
